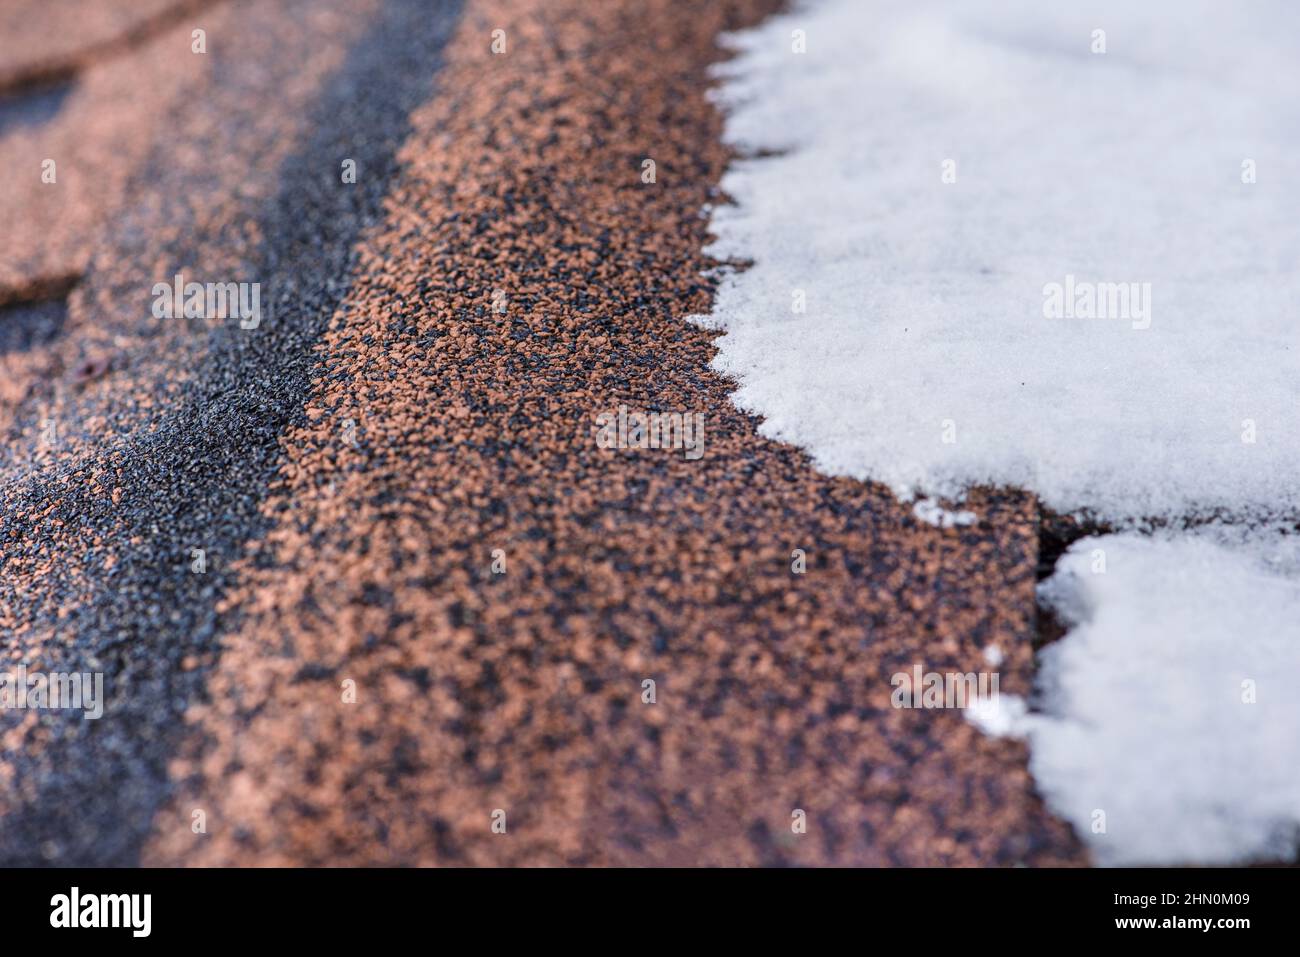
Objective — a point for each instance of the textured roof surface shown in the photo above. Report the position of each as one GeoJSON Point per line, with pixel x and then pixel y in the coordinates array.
{"type": "Point", "coordinates": [438, 338]}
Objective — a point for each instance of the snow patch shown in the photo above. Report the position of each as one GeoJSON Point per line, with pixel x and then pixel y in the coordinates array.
{"type": "Point", "coordinates": [1001, 715]}
{"type": "Point", "coordinates": [922, 356]}
{"type": "Point", "coordinates": [931, 512]}
{"type": "Point", "coordinates": [1172, 702]}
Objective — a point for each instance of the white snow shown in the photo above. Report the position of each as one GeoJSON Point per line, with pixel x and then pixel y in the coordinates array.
{"type": "Point", "coordinates": [896, 326]}
{"type": "Point", "coordinates": [1169, 717]}
{"type": "Point", "coordinates": [924, 300]}
{"type": "Point", "coordinates": [1174, 704]}
{"type": "Point", "coordinates": [932, 513]}
{"type": "Point", "coordinates": [1000, 714]}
